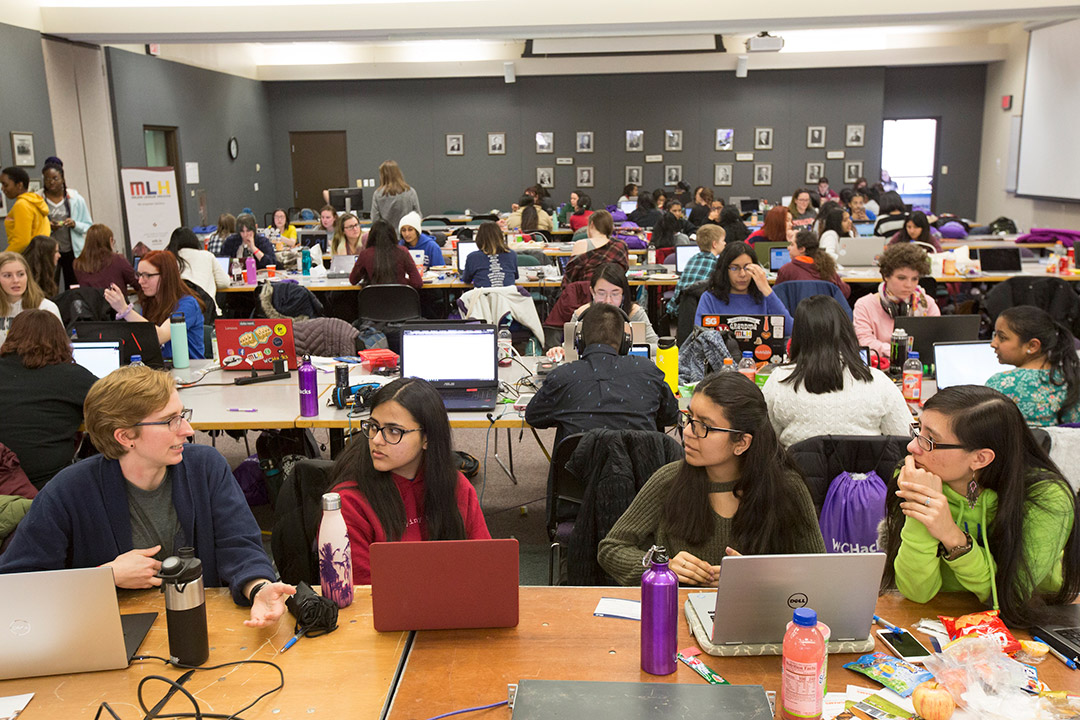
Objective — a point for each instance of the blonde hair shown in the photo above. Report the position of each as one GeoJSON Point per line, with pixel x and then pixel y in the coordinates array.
{"type": "Point", "coordinates": [339, 240]}
{"type": "Point", "coordinates": [32, 296]}
{"type": "Point", "coordinates": [709, 234]}
{"type": "Point", "coordinates": [121, 399]}
{"type": "Point", "coordinates": [391, 181]}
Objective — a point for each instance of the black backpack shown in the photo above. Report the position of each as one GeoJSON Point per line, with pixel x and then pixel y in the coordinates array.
{"type": "Point", "coordinates": [1003, 225]}
{"type": "Point", "coordinates": [278, 452]}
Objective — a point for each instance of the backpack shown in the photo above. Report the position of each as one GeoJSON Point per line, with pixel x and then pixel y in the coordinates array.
{"type": "Point", "coordinates": [703, 352]}
{"type": "Point", "coordinates": [278, 451]}
{"type": "Point", "coordinates": [1003, 225]}
{"type": "Point", "coordinates": [853, 509]}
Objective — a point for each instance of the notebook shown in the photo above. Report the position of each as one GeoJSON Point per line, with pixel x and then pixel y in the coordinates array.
{"type": "Point", "coordinates": [100, 357]}
{"type": "Point", "coordinates": [460, 360]}
{"type": "Point", "coordinates": [778, 258]}
{"type": "Point", "coordinates": [444, 585]}
{"type": "Point", "coordinates": [929, 331]}
{"type": "Point", "coordinates": [859, 252]}
{"type": "Point", "coordinates": [683, 253]}
{"type": "Point", "coordinates": [464, 250]}
{"type": "Point", "coordinates": [341, 266]}
{"type": "Point", "coordinates": [135, 338]}
{"type": "Point", "coordinates": [757, 594]}
{"type": "Point", "coordinates": [255, 344]}
{"type": "Point", "coordinates": [65, 621]}
{"type": "Point", "coordinates": [965, 363]}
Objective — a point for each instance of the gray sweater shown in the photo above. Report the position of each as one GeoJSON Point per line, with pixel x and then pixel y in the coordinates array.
{"type": "Point", "coordinates": [392, 208]}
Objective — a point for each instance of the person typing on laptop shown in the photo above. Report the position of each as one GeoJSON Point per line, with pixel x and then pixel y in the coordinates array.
{"type": "Point", "coordinates": [899, 295]}
{"type": "Point", "coordinates": [736, 492]}
{"type": "Point", "coordinates": [148, 494]}
{"type": "Point", "coordinates": [979, 506]}
{"type": "Point", "coordinates": [399, 480]}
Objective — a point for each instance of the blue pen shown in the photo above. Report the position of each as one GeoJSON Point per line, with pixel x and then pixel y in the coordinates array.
{"type": "Point", "coordinates": [293, 639]}
{"type": "Point", "coordinates": [1053, 651]}
{"type": "Point", "coordinates": [888, 625]}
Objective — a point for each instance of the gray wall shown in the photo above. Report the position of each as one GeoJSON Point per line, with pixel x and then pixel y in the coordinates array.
{"type": "Point", "coordinates": [207, 108]}
{"type": "Point", "coordinates": [25, 105]}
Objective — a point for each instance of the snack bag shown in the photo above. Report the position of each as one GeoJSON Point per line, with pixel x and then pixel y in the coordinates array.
{"type": "Point", "coordinates": [898, 675]}
{"type": "Point", "coordinates": [981, 624]}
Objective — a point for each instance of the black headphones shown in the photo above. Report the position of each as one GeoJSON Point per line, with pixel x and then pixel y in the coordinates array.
{"type": "Point", "coordinates": [579, 345]}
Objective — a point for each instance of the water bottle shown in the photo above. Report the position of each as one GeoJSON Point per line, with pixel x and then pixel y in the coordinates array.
{"type": "Point", "coordinates": [136, 361]}
{"type": "Point", "coordinates": [506, 346]}
{"type": "Point", "coordinates": [309, 388]}
{"type": "Point", "coordinates": [650, 256]}
{"type": "Point", "coordinates": [747, 366]}
{"type": "Point", "coordinates": [667, 359]}
{"type": "Point", "coordinates": [335, 555]}
{"type": "Point", "coordinates": [305, 261]}
{"type": "Point", "coordinates": [659, 613]}
{"type": "Point", "coordinates": [898, 351]}
{"type": "Point", "coordinates": [178, 336]}
{"type": "Point", "coordinates": [235, 274]}
{"type": "Point", "coordinates": [728, 366]}
{"type": "Point", "coordinates": [802, 684]}
{"type": "Point", "coordinates": [249, 276]}
{"type": "Point", "coordinates": [185, 607]}
{"type": "Point", "coordinates": [912, 382]}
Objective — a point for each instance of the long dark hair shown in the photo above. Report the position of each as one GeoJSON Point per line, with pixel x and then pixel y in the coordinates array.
{"type": "Point", "coordinates": [731, 220]}
{"type": "Point", "coordinates": [919, 220]}
{"type": "Point", "coordinates": [981, 417]}
{"type": "Point", "coordinates": [383, 239]}
{"type": "Point", "coordinates": [834, 220]}
{"type": "Point", "coordinates": [809, 242]}
{"type": "Point", "coordinates": [1032, 323]}
{"type": "Point", "coordinates": [354, 466]}
{"type": "Point", "coordinates": [720, 281]}
{"type": "Point", "coordinates": [614, 274]}
{"type": "Point", "coordinates": [530, 219]}
{"type": "Point", "coordinates": [181, 238]}
{"type": "Point", "coordinates": [584, 204]}
{"type": "Point", "coordinates": [763, 523]}
{"type": "Point", "coordinates": [821, 330]}
{"type": "Point", "coordinates": [39, 256]}
{"type": "Point", "coordinates": [663, 233]}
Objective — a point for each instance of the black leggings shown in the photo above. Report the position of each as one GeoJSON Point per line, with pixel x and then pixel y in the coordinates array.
{"type": "Point", "coordinates": [65, 270]}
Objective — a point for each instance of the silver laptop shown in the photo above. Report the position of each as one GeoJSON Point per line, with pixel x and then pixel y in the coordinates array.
{"type": "Point", "coordinates": [683, 253]}
{"type": "Point", "coordinates": [100, 357]}
{"type": "Point", "coordinates": [637, 337]}
{"type": "Point", "coordinates": [758, 593]}
{"type": "Point", "coordinates": [859, 251]}
{"type": "Point", "coordinates": [341, 266]}
{"type": "Point", "coordinates": [965, 363]}
{"type": "Point", "coordinates": [225, 263]}
{"type": "Point", "coordinates": [464, 250]}
{"type": "Point", "coordinates": [65, 621]}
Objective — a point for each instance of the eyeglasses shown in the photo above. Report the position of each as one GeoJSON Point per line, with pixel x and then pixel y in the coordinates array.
{"type": "Point", "coordinates": [929, 445]}
{"type": "Point", "coordinates": [353, 226]}
{"type": "Point", "coordinates": [145, 275]}
{"type": "Point", "coordinates": [739, 269]}
{"type": "Point", "coordinates": [390, 433]}
{"type": "Point", "coordinates": [174, 423]}
{"type": "Point", "coordinates": [699, 429]}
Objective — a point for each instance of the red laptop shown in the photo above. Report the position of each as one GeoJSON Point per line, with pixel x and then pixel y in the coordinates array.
{"type": "Point", "coordinates": [444, 585]}
{"type": "Point", "coordinates": [255, 344]}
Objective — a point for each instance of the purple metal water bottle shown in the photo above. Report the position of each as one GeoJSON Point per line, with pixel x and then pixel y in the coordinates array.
{"type": "Point", "coordinates": [659, 613]}
{"type": "Point", "coordinates": [309, 388]}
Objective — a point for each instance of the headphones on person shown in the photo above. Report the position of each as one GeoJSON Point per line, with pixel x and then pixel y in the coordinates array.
{"type": "Point", "coordinates": [579, 344]}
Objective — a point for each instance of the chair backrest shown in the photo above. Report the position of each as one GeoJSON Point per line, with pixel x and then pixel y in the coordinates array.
{"type": "Point", "coordinates": [565, 489]}
{"type": "Point", "coordinates": [688, 302]}
{"type": "Point", "coordinates": [485, 218]}
{"type": "Point", "coordinates": [524, 260]}
{"type": "Point", "coordinates": [793, 292]}
{"type": "Point", "coordinates": [297, 514]}
{"type": "Point", "coordinates": [387, 303]}
{"type": "Point", "coordinates": [307, 214]}
{"type": "Point", "coordinates": [824, 457]}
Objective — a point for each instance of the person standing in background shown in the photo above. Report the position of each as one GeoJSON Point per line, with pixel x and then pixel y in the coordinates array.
{"type": "Point", "coordinates": [69, 218]}
{"type": "Point", "coordinates": [394, 198]}
{"type": "Point", "coordinates": [28, 216]}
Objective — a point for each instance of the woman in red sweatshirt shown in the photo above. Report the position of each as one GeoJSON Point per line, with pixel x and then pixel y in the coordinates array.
{"type": "Point", "coordinates": [398, 480]}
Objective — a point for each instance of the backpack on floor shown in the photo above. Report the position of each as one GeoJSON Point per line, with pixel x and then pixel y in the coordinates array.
{"type": "Point", "coordinates": [278, 451]}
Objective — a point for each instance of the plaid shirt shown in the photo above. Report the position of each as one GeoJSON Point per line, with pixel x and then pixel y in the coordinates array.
{"type": "Point", "coordinates": [583, 266]}
{"type": "Point", "coordinates": [699, 268]}
{"type": "Point", "coordinates": [214, 243]}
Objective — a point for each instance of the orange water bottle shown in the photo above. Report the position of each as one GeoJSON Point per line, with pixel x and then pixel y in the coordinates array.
{"type": "Point", "coordinates": [803, 666]}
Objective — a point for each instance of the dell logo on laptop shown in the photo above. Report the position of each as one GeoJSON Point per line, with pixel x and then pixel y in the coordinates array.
{"type": "Point", "coordinates": [797, 600]}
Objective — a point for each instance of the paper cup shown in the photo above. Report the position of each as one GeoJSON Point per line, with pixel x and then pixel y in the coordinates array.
{"type": "Point", "coordinates": [271, 271]}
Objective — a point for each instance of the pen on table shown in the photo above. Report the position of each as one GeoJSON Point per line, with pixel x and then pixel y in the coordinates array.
{"type": "Point", "coordinates": [243, 409]}
{"type": "Point", "coordinates": [293, 639]}
{"type": "Point", "coordinates": [888, 625]}
{"type": "Point", "coordinates": [1054, 651]}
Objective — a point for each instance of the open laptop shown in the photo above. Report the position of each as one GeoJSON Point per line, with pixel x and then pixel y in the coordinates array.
{"type": "Point", "coordinates": [465, 248]}
{"type": "Point", "coordinates": [763, 249]}
{"type": "Point", "coordinates": [757, 594]}
{"type": "Point", "coordinates": [255, 344]}
{"type": "Point", "coordinates": [778, 258]}
{"type": "Point", "coordinates": [341, 266]}
{"type": "Point", "coordinates": [994, 260]}
{"type": "Point", "coordinates": [424, 585]}
{"type": "Point", "coordinates": [748, 205]}
{"type": "Point", "coordinates": [628, 206]}
{"type": "Point", "coordinates": [312, 237]}
{"type": "Point", "coordinates": [683, 253]}
{"type": "Point", "coordinates": [859, 251]}
{"type": "Point", "coordinates": [225, 263]}
{"type": "Point", "coordinates": [65, 621]}
{"type": "Point", "coordinates": [135, 338]}
{"type": "Point", "coordinates": [763, 335]}
{"type": "Point", "coordinates": [965, 363]}
{"type": "Point", "coordinates": [929, 331]}
{"type": "Point", "coordinates": [570, 353]}
{"type": "Point", "coordinates": [100, 357]}
{"type": "Point", "coordinates": [460, 360]}
{"type": "Point", "coordinates": [1059, 625]}
{"type": "Point", "coordinates": [865, 228]}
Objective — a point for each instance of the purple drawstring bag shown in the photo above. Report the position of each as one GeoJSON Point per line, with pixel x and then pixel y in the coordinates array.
{"type": "Point", "coordinates": [854, 506]}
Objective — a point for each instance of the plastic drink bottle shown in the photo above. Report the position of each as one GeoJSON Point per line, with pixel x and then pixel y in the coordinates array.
{"type": "Point", "coordinates": [137, 360]}
{"type": "Point", "coordinates": [305, 261]}
{"type": "Point", "coordinates": [335, 555]}
{"type": "Point", "coordinates": [913, 374]}
{"type": "Point", "coordinates": [803, 666]}
{"type": "Point", "coordinates": [747, 366]}
{"type": "Point", "coordinates": [659, 614]}
{"type": "Point", "coordinates": [185, 607]}
{"type": "Point", "coordinates": [506, 347]}
{"type": "Point", "coordinates": [650, 256]}
{"type": "Point", "coordinates": [309, 388]}
{"type": "Point", "coordinates": [764, 373]}
{"type": "Point", "coordinates": [249, 275]}
{"type": "Point", "coordinates": [178, 338]}
{"type": "Point", "coordinates": [728, 366]}
{"type": "Point", "coordinates": [667, 359]}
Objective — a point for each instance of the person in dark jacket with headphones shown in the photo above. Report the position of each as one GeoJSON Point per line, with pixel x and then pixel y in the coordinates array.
{"type": "Point", "coordinates": [606, 387]}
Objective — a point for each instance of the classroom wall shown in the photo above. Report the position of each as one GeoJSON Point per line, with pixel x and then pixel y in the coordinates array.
{"type": "Point", "coordinates": [24, 80]}
{"type": "Point", "coordinates": [207, 108]}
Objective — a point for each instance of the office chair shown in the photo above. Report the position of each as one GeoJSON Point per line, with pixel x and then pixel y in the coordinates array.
{"type": "Point", "coordinates": [388, 306]}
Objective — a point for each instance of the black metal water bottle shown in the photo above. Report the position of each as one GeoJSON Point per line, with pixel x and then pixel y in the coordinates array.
{"type": "Point", "coordinates": [185, 607]}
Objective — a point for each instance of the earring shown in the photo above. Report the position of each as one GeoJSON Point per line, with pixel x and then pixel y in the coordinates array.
{"type": "Point", "coordinates": [972, 491]}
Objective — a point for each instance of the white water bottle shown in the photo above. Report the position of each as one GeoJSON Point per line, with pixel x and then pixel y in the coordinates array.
{"type": "Point", "coordinates": [335, 555]}
{"type": "Point", "coordinates": [747, 366]}
{"type": "Point", "coordinates": [506, 346]}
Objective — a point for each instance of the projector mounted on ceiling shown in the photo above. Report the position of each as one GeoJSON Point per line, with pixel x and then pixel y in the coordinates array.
{"type": "Point", "coordinates": [764, 42]}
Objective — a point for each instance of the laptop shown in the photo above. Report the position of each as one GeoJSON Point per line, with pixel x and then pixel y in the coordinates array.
{"type": "Point", "coordinates": [778, 257]}
{"type": "Point", "coordinates": [464, 250]}
{"type": "Point", "coordinates": [965, 363]}
{"type": "Point", "coordinates": [225, 263]}
{"type": "Point", "coordinates": [748, 205]}
{"type": "Point", "coordinates": [1059, 625]}
{"type": "Point", "coordinates": [341, 266]}
{"type": "Point", "coordinates": [763, 335]}
{"type": "Point", "coordinates": [683, 253]}
{"type": "Point", "coordinates": [757, 594]}
{"type": "Point", "coordinates": [994, 260]}
{"type": "Point", "coordinates": [763, 249]}
{"type": "Point", "coordinates": [929, 331]}
{"type": "Point", "coordinates": [255, 344]}
{"type": "Point", "coordinates": [100, 357]}
{"type": "Point", "coordinates": [570, 353]}
{"type": "Point", "coordinates": [426, 585]}
{"type": "Point", "coordinates": [65, 621]}
{"type": "Point", "coordinates": [316, 237]}
{"type": "Point", "coordinates": [628, 206]}
{"type": "Point", "coordinates": [859, 252]}
{"type": "Point", "coordinates": [865, 228]}
{"type": "Point", "coordinates": [461, 360]}
{"type": "Point", "coordinates": [135, 338]}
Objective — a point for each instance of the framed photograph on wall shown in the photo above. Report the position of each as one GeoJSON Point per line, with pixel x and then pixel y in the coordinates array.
{"type": "Point", "coordinates": [815, 136]}
{"type": "Point", "coordinates": [455, 144]}
{"type": "Point", "coordinates": [814, 172]}
{"type": "Point", "coordinates": [672, 174]}
{"type": "Point", "coordinates": [722, 174]}
{"type": "Point", "coordinates": [725, 139]}
{"type": "Point", "coordinates": [22, 149]}
{"type": "Point", "coordinates": [3, 205]}
{"type": "Point", "coordinates": [853, 170]}
{"type": "Point", "coordinates": [545, 177]}
{"type": "Point", "coordinates": [585, 142]}
{"type": "Point", "coordinates": [545, 142]}
{"type": "Point", "coordinates": [763, 173]}
{"type": "Point", "coordinates": [855, 135]}
{"type": "Point", "coordinates": [635, 140]}
{"type": "Point", "coordinates": [633, 174]}
{"type": "Point", "coordinates": [585, 176]}
{"type": "Point", "coordinates": [496, 143]}
{"type": "Point", "coordinates": [672, 140]}
{"type": "Point", "coordinates": [762, 139]}
{"type": "Point", "coordinates": [34, 186]}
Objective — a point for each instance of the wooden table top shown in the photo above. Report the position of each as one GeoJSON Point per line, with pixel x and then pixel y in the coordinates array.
{"type": "Point", "coordinates": [347, 673]}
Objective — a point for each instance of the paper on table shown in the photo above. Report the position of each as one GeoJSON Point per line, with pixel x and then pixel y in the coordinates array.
{"type": "Point", "coordinates": [833, 705]}
{"type": "Point", "coordinates": [857, 692]}
{"type": "Point", "coordinates": [617, 607]}
{"type": "Point", "coordinates": [11, 706]}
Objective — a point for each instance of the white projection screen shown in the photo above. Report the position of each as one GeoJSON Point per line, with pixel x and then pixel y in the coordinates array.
{"type": "Point", "coordinates": [1049, 144]}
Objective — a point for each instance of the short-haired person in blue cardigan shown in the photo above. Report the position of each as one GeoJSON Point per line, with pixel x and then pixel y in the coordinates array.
{"type": "Point", "coordinates": [148, 494]}
{"type": "Point", "coordinates": [739, 286]}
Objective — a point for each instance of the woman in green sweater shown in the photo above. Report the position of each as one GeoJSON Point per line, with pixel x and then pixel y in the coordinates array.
{"type": "Point", "coordinates": [737, 492]}
{"type": "Point", "coordinates": [979, 506]}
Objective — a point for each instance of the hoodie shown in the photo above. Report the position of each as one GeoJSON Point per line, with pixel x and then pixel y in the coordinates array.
{"type": "Point", "coordinates": [432, 253]}
{"type": "Point", "coordinates": [28, 217]}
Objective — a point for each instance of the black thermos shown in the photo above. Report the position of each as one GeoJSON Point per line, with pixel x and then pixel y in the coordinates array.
{"type": "Point", "coordinates": [185, 607]}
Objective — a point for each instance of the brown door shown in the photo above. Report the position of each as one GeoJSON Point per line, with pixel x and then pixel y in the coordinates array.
{"type": "Point", "coordinates": [318, 163]}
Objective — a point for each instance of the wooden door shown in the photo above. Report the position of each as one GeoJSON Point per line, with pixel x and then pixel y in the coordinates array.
{"type": "Point", "coordinates": [319, 162]}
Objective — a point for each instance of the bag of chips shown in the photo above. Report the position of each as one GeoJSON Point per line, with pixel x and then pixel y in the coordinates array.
{"type": "Point", "coordinates": [981, 624]}
{"type": "Point", "coordinates": [898, 675]}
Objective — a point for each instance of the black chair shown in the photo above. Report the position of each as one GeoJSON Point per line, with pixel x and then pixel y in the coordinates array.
{"type": "Point", "coordinates": [387, 306]}
{"type": "Point", "coordinates": [1054, 295]}
{"type": "Point", "coordinates": [564, 493]}
{"type": "Point", "coordinates": [688, 302]}
{"type": "Point", "coordinates": [83, 303]}
{"type": "Point", "coordinates": [824, 457]}
{"type": "Point", "coordinates": [297, 514]}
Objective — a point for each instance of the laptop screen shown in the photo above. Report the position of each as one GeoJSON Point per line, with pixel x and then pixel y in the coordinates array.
{"type": "Point", "coordinates": [749, 205]}
{"type": "Point", "coordinates": [628, 206]}
{"type": "Point", "coordinates": [450, 356]}
{"type": "Point", "coordinates": [100, 357]}
{"type": "Point", "coordinates": [464, 250]}
{"type": "Point", "coordinates": [224, 263]}
{"type": "Point", "coordinates": [778, 257]}
{"type": "Point", "coordinates": [683, 253]}
{"type": "Point", "coordinates": [864, 229]}
{"type": "Point", "coordinates": [965, 363]}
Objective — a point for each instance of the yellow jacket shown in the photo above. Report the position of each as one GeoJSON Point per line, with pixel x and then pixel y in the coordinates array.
{"type": "Point", "coordinates": [28, 217]}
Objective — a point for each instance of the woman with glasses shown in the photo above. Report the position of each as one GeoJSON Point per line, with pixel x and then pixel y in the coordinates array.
{"type": "Point", "coordinates": [148, 494]}
{"type": "Point", "coordinates": [739, 286]}
{"type": "Point", "coordinates": [978, 506]}
{"type": "Point", "coordinates": [346, 240]}
{"type": "Point", "coordinates": [398, 478]}
{"type": "Point", "coordinates": [98, 266]}
{"type": "Point", "coordinates": [162, 293]}
{"type": "Point", "coordinates": [736, 493]}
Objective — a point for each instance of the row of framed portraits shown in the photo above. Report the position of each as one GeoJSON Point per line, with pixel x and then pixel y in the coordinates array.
{"type": "Point", "coordinates": [854, 136]}
{"type": "Point", "coordinates": [723, 174]}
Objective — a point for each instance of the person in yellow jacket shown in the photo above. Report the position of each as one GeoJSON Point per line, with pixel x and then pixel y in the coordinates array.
{"type": "Point", "coordinates": [29, 216]}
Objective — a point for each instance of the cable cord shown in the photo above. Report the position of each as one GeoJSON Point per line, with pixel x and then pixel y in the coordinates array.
{"type": "Point", "coordinates": [472, 709]}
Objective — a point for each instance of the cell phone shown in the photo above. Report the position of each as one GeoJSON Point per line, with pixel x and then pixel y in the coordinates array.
{"type": "Point", "coordinates": [904, 645]}
{"type": "Point", "coordinates": [641, 350]}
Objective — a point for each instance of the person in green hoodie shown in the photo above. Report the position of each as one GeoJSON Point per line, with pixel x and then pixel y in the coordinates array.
{"type": "Point", "coordinates": [29, 216]}
{"type": "Point", "coordinates": [979, 506]}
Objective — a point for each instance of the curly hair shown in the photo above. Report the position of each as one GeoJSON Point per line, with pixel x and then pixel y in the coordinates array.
{"type": "Point", "coordinates": [904, 256]}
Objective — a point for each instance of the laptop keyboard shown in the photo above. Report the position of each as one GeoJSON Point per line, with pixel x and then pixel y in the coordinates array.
{"type": "Point", "coordinates": [481, 395]}
{"type": "Point", "coordinates": [1070, 634]}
